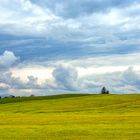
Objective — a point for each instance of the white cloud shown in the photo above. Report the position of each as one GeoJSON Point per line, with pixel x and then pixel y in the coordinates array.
{"type": "Point", "coordinates": [4, 86]}
{"type": "Point", "coordinates": [97, 32]}
{"type": "Point", "coordinates": [69, 74]}
{"type": "Point", "coordinates": [22, 17]}
{"type": "Point", "coordinates": [112, 32]}
{"type": "Point", "coordinates": [65, 79]}
{"type": "Point", "coordinates": [7, 59]}
{"type": "Point", "coordinates": [39, 71]}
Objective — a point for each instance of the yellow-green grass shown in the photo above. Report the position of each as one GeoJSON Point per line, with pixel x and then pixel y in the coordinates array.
{"type": "Point", "coordinates": [71, 117]}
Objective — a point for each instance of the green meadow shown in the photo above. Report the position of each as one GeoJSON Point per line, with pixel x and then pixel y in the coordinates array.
{"type": "Point", "coordinates": [71, 117]}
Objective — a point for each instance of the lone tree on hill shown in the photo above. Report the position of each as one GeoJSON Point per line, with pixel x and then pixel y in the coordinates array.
{"type": "Point", "coordinates": [107, 92]}
{"type": "Point", "coordinates": [104, 91]}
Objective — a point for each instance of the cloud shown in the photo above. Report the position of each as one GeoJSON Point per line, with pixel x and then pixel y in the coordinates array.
{"type": "Point", "coordinates": [126, 81]}
{"type": "Point", "coordinates": [74, 8]}
{"type": "Point", "coordinates": [131, 77]}
{"type": "Point", "coordinates": [66, 77]}
{"type": "Point", "coordinates": [12, 82]}
{"type": "Point", "coordinates": [7, 59]}
{"type": "Point", "coordinates": [22, 17]}
{"type": "Point", "coordinates": [93, 34]}
{"type": "Point", "coordinates": [101, 33]}
{"type": "Point", "coordinates": [4, 86]}
{"type": "Point", "coordinates": [73, 76]}
{"type": "Point", "coordinates": [66, 80]}
{"type": "Point", "coordinates": [32, 83]}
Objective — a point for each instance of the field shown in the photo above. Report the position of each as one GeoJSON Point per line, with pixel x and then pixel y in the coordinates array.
{"type": "Point", "coordinates": [71, 117]}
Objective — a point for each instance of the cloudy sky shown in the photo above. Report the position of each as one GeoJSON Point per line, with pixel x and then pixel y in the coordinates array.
{"type": "Point", "coordinates": [72, 46]}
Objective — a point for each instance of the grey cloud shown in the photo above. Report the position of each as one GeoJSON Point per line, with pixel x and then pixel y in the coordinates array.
{"type": "Point", "coordinates": [86, 36]}
{"type": "Point", "coordinates": [66, 80]}
{"type": "Point", "coordinates": [130, 77]}
{"type": "Point", "coordinates": [12, 82]}
{"type": "Point", "coordinates": [32, 82]}
{"type": "Point", "coordinates": [74, 8]}
{"type": "Point", "coordinates": [117, 82]}
{"type": "Point", "coordinates": [66, 77]}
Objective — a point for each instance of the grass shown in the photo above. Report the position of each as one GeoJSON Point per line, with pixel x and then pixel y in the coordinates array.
{"type": "Point", "coordinates": [71, 117]}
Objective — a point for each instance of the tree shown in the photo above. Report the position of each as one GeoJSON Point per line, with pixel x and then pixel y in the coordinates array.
{"type": "Point", "coordinates": [104, 91]}
{"type": "Point", "coordinates": [107, 92]}
{"type": "Point", "coordinates": [32, 95]}
{"type": "Point", "coordinates": [11, 96]}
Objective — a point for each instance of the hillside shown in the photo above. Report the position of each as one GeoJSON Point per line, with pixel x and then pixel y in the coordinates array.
{"type": "Point", "coordinates": [71, 117]}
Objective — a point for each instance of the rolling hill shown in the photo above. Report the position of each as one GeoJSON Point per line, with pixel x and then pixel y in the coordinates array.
{"type": "Point", "coordinates": [71, 117]}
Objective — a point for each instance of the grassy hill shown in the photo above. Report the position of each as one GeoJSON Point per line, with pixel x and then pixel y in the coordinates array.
{"type": "Point", "coordinates": [71, 117]}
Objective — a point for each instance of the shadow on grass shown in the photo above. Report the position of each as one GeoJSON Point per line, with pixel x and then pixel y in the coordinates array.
{"type": "Point", "coordinates": [51, 97]}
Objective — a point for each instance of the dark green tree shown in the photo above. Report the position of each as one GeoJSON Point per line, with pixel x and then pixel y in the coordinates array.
{"type": "Point", "coordinates": [104, 91]}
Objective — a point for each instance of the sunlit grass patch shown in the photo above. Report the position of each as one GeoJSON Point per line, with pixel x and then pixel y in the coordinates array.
{"type": "Point", "coordinates": [80, 117]}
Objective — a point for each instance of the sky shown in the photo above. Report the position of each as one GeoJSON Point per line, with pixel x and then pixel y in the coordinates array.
{"type": "Point", "coordinates": [56, 46]}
